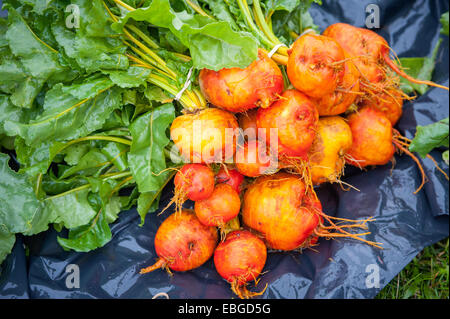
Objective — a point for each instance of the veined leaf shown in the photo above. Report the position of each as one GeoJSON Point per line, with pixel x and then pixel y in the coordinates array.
{"type": "Point", "coordinates": [286, 5]}
{"type": "Point", "coordinates": [70, 112]}
{"type": "Point", "coordinates": [149, 202]}
{"type": "Point", "coordinates": [96, 233]}
{"type": "Point", "coordinates": [430, 136]}
{"type": "Point", "coordinates": [146, 157]}
{"type": "Point", "coordinates": [38, 58]}
{"type": "Point", "coordinates": [17, 82]}
{"type": "Point", "coordinates": [88, 165]}
{"type": "Point", "coordinates": [132, 77]}
{"type": "Point", "coordinates": [8, 111]}
{"type": "Point", "coordinates": [93, 44]}
{"type": "Point", "coordinates": [20, 210]}
{"type": "Point", "coordinates": [88, 237]}
{"type": "Point", "coordinates": [116, 153]}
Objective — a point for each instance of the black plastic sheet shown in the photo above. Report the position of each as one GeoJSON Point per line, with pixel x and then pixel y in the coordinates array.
{"type": "Point", "coordinates": [405, 223]}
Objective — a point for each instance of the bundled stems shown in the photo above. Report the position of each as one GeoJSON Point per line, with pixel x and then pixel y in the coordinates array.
{"type": "Point", "coordinates": [143, 55]}
{"type": "Point", "coordinates": [262, 28]}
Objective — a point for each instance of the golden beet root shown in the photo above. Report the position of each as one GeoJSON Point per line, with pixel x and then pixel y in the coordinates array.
{"type": "Point", "coordinates": [238, 90]}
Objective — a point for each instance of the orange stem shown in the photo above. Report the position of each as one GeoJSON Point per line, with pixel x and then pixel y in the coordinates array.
{"type": "Point", "coordinates": [437, 166]}
{"type": "Point", "coordinates": [400, 72]}
{"type": "Point", "coordinates": [404, 149]}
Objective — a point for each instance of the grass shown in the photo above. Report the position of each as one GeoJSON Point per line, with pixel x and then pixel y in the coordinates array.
{"type": "Point", "coordinates": [425, 277]}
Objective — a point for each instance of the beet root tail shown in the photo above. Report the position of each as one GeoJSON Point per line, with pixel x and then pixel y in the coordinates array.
{"type": "Point", "coordinates": [402, 144]}
{"type": "Point", "coordinates": [161, 263]}
{"type": "Point", "coordinates": [242, 292]}
{"type": "Point", "coordinates": [400, 72]}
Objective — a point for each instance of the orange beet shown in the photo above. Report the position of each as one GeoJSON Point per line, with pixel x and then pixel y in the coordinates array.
{"type": "Point", "coordinates": [277, 207]}
{"type": "Point", "coordinates": [364, 44]}
{"type": "Point", "coordinates": [231, 177]}
{"type": "Point", "coordinates": [390, 103]}
{"type": "Point", "coordinates": [375, 141]}
{"type": "Point", "coordinates": [183, 243]}
{"type": "Point", "coordinates": [247, 122]}
{"type": "Point", "coordinates": [295, 117]}
{"type": "Point", "coordinates": [289, 215]}
{"type": "Point", "coordinates": [371, 52]}
{"type": "Point", "coordinates": [372, 138]}
{"type": "Point", "coordinates": [346, 93]}
{"type": "Point", "coordinates": [238, 90]}
{"type": "Point", "coordinates": [196, 181]}
{"type": "Point", "coordinates": [240, 259]}
{"type": "Point", "coordinates": [315, 65]}
{"type": "Point", "coordinates": [255, 158]}
{"type": "Point", "coordinates": [205, 137]}
{"type": "Point", "coordinates": [222, 206]}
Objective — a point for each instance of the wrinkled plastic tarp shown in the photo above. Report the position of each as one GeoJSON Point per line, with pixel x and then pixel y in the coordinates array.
{"type": "Point", "coordinates": [405, 223]}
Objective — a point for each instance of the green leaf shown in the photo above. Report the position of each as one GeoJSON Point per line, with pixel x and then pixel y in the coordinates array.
{"type": "Point", "coordinates": [39, 6]}
{"type": "Point", "coordinates": [445, 157]}
{"type": "Point", "coordinates": [3, 28]}
{"type": "Point", "coordinates": [154, 93]}
{"type": "Point", "coordinates": [133, 77]}
{"type": "Point", "coordinates": [212, 44]}
{"type": "Point", "coordinates": [419, 68]}
{"type": "Point", "coordinates": [91, 164]}
{"type": "Point", "coordinates": [7, 142]}
{"type": "Point", "coordinates": [70, 112]}
{"type": "Point", "coordinates": [287, 5]}
{"type": "Point", "coordinates": [7, 241]}
{"type": "Point", "coordinates": [37, 158]}
{"type": "Point", "coordinates": [74, 153]}
{"type": "Point", "coordinates": [169, 41]}
{"type": "Point", "coordinates": [88, 237]}
{"type": "Point", "coordinates": [93, 45]}
{"type": "Point", "coordinates": [107, 200]}
{"type": "Point", "coordinates": [54, 186]}
{"type": "Point", "coordinates": [18, 82]}
{"type": "Point", "coordinates": [444, 22]}
{"type": "Point", "coordinates": [286, 20]}
{"type": "Point", "coordinates": [72, 208]}
{"type": "Point", "coordinates": [38, 58]}
{"type": "Point", "coordinates": [146, 157]}
{"type": "Point", "coordinates": [20, 210]}
{"type": "Point", "coordinates": [8, 112]}
{"type": "Point", "coordinates": [430, 137]}
{"type": "Point", "coordinates": [96, 233]}
{"type": "Point", "coordinates": [147, 203]}
{"type": "Point", "coordinates": [116, 153]}
{"type": "Point", "coordinates": [223, 12]}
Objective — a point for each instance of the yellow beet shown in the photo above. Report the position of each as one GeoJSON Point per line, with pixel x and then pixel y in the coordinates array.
{"type": "Point", "coordinates": [326, 156]}
{"type": "Point", "coordinates": [206, 136]}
